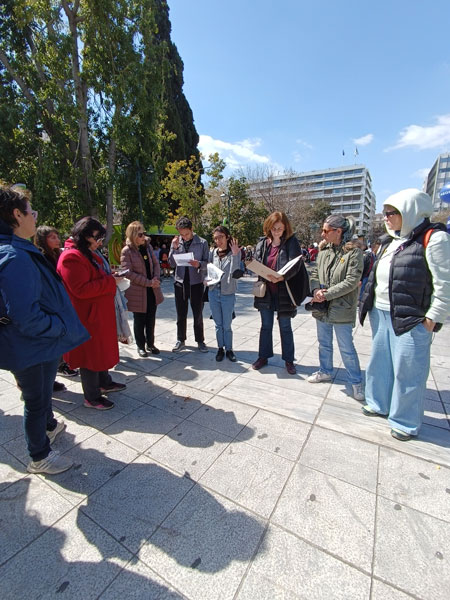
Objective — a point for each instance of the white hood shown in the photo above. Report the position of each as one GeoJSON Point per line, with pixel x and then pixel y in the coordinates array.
{"type": "Point", "coordinates": [413, 205]}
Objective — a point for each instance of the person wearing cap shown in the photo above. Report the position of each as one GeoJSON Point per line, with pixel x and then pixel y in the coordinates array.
{"type": "Point", "coordinates": [37, 325]}
{"type": "Point", "coordinates": [407, 297]}
{"type": "Point", "coordinates": [334, 285]}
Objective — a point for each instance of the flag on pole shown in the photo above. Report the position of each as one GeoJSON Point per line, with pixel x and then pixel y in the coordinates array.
{"type": "Point", "coordinates": [356, 151]}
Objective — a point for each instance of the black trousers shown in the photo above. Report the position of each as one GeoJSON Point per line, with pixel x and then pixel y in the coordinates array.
{"type": "Point", "coordinates": [92, 381]}
{"type": "Point", "coordinates": [183, 294]}
{"type": "Point", "coordinates": [144, 323]}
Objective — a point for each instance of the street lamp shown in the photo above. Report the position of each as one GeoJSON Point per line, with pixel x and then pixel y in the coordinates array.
{"type": "Point", "coordinates": [229, 199]}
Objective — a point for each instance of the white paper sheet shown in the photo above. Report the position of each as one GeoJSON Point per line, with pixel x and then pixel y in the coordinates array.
{"type": "Point", "coordinates": [183, 260]}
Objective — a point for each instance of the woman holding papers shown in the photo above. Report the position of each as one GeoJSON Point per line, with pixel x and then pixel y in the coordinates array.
{"type": "Point", "coordinates": [275, 250]}
{"type": "Point", "coordinates": [222, 295]}
{"type": "Point", "coordinates": [334, 286]}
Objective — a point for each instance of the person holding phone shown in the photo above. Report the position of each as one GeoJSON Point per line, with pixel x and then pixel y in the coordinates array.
{"type": "Point", "coordinates": [189, 282]}
{"type": "Point", "coordinates": [92, 289]}
{"type": "Point", "coordinates": [144, 294]}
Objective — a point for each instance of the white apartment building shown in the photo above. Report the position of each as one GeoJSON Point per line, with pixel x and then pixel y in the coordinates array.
{"type": "Point", "coordinates": [348, 190]}
{"type": "Point", "coordinates": [438, 176]}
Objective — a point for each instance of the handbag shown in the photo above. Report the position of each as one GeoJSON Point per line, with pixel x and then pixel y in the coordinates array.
{"type": "Point", "coordinates": [259, 289]}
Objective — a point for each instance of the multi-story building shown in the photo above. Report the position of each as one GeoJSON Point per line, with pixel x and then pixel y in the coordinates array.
{"type": "Point", "coordinates": [347, 189]}
{"type": "Point", "coordinates": [438, 176]}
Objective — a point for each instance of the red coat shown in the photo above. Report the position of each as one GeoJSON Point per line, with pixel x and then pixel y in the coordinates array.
{"type": "Point", "coordinates": [92, 294]}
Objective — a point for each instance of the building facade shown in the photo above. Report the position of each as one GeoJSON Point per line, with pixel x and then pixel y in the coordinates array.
{"type": "Point", "coordinates": [348, 190]}
{"type": "Point", "coordinates": [438, 176]}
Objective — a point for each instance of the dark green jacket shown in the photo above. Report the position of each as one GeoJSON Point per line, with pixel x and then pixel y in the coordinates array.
{"type": "Point", "coordinates": [338, 269]}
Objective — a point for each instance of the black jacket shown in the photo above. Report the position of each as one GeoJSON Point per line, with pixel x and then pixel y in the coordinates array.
{"type": "Point", "coordinates": [289, 249]}
{"type": "Point", "coordinates": [410, 281]}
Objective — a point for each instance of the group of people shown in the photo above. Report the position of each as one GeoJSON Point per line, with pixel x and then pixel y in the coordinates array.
{"type": "Point", "coordinates": [59, 307]}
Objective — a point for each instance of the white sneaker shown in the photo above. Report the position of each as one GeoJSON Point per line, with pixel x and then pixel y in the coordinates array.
{"type": "Point", "coordinates": [60, 426]}
{"type": "Point", "coordinates": [52, 464]}
{"type": "Point", "coordinates": [319, 377]}
{"type": "Point", "coordinates": [358, 393]}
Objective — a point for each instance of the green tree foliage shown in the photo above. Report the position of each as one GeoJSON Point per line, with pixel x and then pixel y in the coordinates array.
{"type": "Point", "coordinates": [91, 104]}
{"type": "Point", "coordinates": [215, 170]}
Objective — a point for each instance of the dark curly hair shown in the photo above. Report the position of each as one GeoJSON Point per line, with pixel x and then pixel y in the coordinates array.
{"type": "Point", "coordinates": [83, 229]}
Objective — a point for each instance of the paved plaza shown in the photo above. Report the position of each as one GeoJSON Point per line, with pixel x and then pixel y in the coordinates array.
{"type": "Point", "coordinates": [214, 481]}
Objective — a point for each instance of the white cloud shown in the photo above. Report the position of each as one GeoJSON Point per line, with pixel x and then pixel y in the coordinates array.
{"type": "Point", "coordinates": [363, 140]}
{"type": "Point", "coordinates": [421, 173]}
{"type": "Point", "coordinates": [423, 137]}
{"type": "Point", "coordinates": [297, 157]}
{"type": "Point", "coordinates": [303, 143]}
{"type": "Point", "coordinates": [235, 154]}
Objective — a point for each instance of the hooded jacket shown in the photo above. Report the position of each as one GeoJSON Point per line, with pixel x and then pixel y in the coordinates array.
{"type": "Point", "coordinates": [412, 282]}
{"type": "Point", "coordinates": [339, 270]}
{"type": "Point", "coordinates": [43, 324]}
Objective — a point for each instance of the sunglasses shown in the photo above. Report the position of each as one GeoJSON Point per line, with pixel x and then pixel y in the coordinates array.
{"type": "Point", "coordinates": [141, 234]}
{"type": "Point", "coordinates": [34, 214]}
{"type": "Point", "coordinates": [390, 213]}
{"type": "Point", "coordinates": [99, 237]}
{"type": "Point", "coordinates": [328, 230]}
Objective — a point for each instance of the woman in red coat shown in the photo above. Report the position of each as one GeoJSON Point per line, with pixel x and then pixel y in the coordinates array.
{"type": "Point", "coordinates": [144, 293]}
{"type": "Point", "coordinates": [92, 292]}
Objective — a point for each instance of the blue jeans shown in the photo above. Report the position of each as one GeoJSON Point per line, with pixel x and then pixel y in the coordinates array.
{"type": "Point", "coordinates": [397, 373]}
{"type": "Point", "coordinates": [265, 336]}
{"type": "Point", "coordinates": [36, 384]}
{"type": "Point", "coordinates": [222, 307]}
{"type": "Point", "coordinates": [344, 338]}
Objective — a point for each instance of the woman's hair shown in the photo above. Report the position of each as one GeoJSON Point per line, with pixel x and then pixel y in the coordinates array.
{"type": "Point", "coordinates": [42, 233]}
{"type": "Point", "coordinates": [83, 229]}
{"type": "Point", "coordinates": [275, 217]}
{"type": "Point", "coordinates": [132, 232]}
{"type": "Point", "coordinates": [12, 197]}
{"type": "Point", "coordinates": [226, 232]}
{"type": "Point", "coordinates": [347, 224]}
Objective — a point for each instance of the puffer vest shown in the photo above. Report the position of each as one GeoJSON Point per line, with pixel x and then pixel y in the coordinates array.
{"type": "Point", "coordinates": [410, 281]}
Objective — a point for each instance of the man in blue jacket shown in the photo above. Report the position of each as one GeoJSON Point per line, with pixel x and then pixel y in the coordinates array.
{"type": "Point", "coordinates": [37, 325]}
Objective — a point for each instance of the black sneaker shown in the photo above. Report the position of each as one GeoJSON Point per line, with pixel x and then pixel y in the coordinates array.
{"type": "Point", "coordinates": [100, 403]}
{"type": "Point", "coordinates": [220, 355]}
{"type": "Point", "coordinates": [153, 349]}
{"type": "Point", "coordinates": [113, 387]}
{"type": "Point", "coordinates": [231, 355]}
{"type": "Point", "coordinates": [58, 386]}
{"type": "Point", "coordinates": [65, 370]}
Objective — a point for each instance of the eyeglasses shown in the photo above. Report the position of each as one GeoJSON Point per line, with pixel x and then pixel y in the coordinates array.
{"type": "Point", "coordinates": [328, 230]}
{"type": "Point", "coordinates": [141, 234]}
{"type": "Point", "coordinates": [99, 237]}
{"type": "Point", "coordinates": [390, 213]}
{"type": "Point", "coordinates": [34, 214]}
{"type": "Point", "coordinates": [219, 237]}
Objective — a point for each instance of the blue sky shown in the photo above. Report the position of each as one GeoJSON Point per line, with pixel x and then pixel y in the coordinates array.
{"type": "Point", "coordinates": [292, 83]}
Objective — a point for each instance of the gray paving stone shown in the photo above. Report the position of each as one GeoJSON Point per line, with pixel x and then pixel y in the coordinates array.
{"type": "Point", "coordinates": [146, 388]}
{"type": "Point", "coordinates": [412, 551]}
{"type": "Point", "coordinates": [203, 547]}
{"type": "Point", "coordinates": [381, 591]}
{"type": "Point", "coordinates": [74, 557]}
{"type": "Point", "coordinates": [225, 416]}
{"type": "Point", "coordinates": [143, 427]}
{"type": "Point", "coordinates": [12, 422]}
{"type": "Point", "coordinates": [415, 483]}
{"type": "Point", "coordinates": [435, 414]}
{"type": "Point", "coordinates": [189, 449]}
{"type": "Point", "coordinates": [250, 476]}
{"type": "Point", "coordinates": [96, 460]}
{"type": "Point", "coordinates": [279, 377]}
{"type": "Point", "coordinates": [138, 499]}
{"type": "Point", "coordinates": [289, 403]}
{"type": "Point", "coordinates": [342, 456]}
{"type": "Point", "coordinates": [276, 434]}
{"type": "Point", "coordinates": [27, 507]}
{"type": "Point", "coordinates": [335, 515]}
{"type": "Point", "coordinates": [136, 582]}
{"type": "Point", "coordinates": [11, 469]}
{"type": "Point", "coordinates": [181, 400]}
{"type": "Point", "coordinates": [291, 569]}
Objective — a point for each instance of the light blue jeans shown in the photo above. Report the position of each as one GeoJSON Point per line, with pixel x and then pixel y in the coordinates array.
{"type": "Point", "coordinates": [397, 373]}
{"type": "Point", "coordinates": [222, 307]}
{"type": "Point", "coordinates": [344, 336]}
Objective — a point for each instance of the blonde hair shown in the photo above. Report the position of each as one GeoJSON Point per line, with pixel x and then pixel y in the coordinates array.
{"type": "Point", "coordinates": [273, 218]}
{"type": "Point", "coordinates": [132, 232]}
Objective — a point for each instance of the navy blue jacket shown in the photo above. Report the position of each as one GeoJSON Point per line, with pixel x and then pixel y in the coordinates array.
{"type": "Point", "coordinates": [43, 323]}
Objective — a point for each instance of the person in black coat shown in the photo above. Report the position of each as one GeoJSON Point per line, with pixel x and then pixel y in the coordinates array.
{"type": "Point", "coordinates": [275, 250]}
